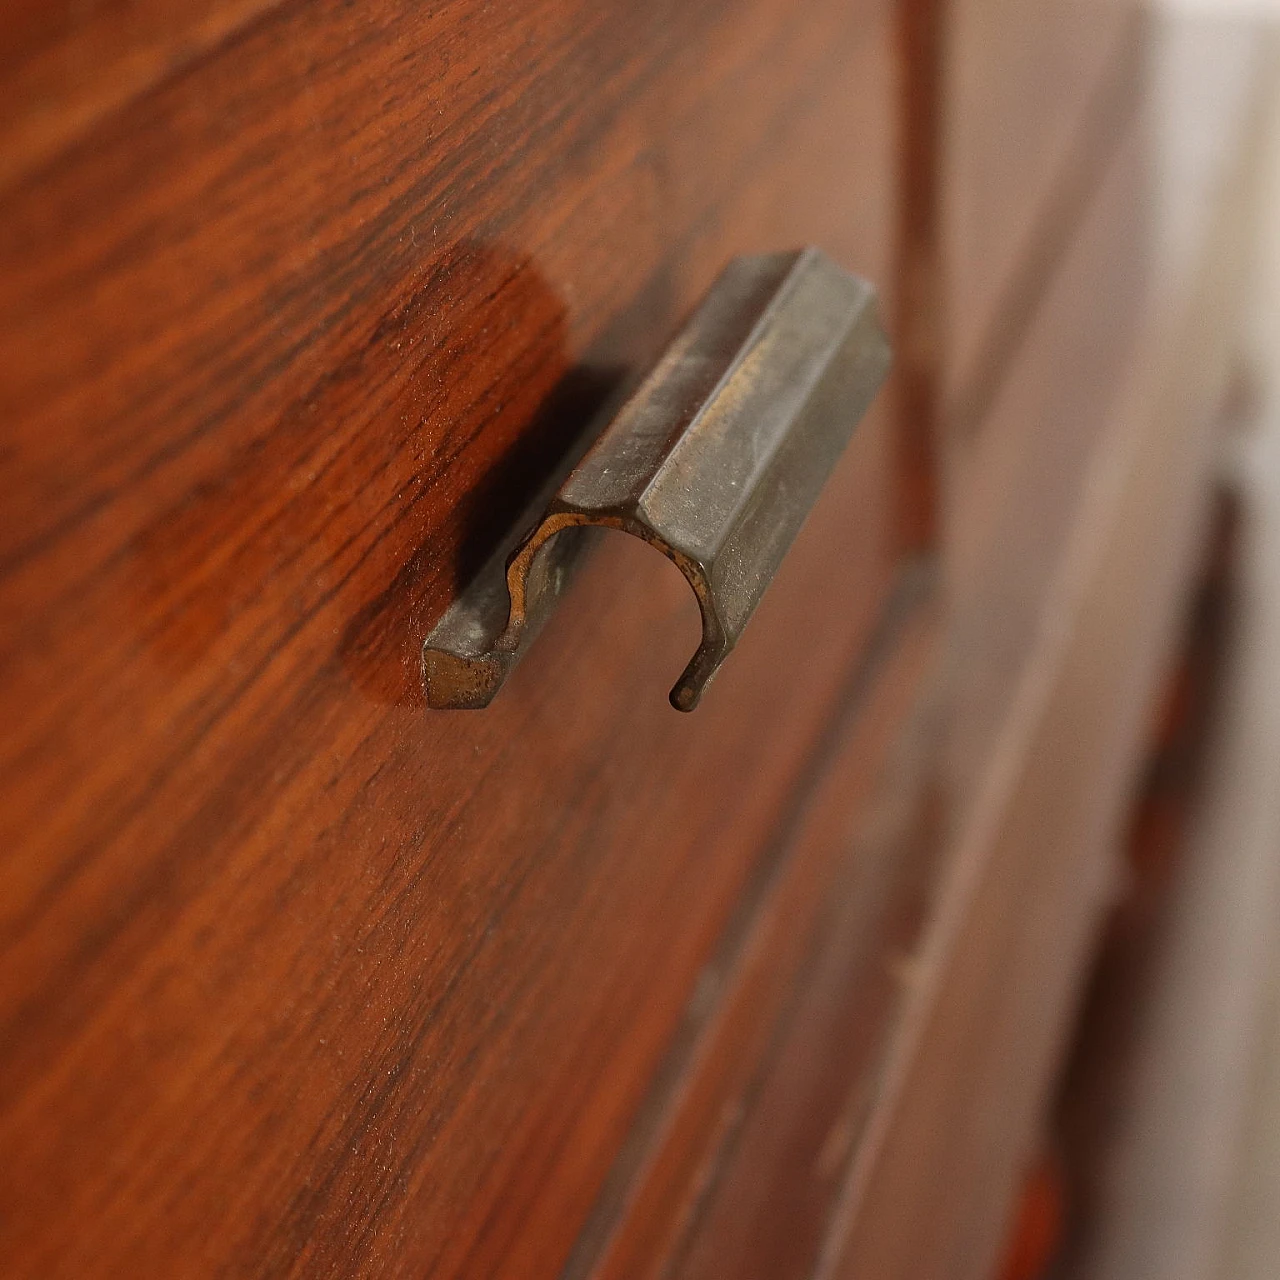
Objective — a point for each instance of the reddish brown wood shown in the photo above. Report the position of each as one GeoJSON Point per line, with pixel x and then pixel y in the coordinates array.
{"type": "Point", "coordinates": [1036, 1231]}
{"type": "Point", "coordinates": [989, 350]}
{"type": "Point", "coordinates": [63, 68]}
{"type": "Point", "coordinates": [753, 1119]}
{"type": "Point", "coordinates": [1042, 785]}
{"type": "Point", "coordinates": [1008, 117]}
{"type": "Point", "coordinates": [921, 42]}
{"type": "Point", "coordinates": [772, 1184]}
{"type": "Point", "coordinates": [296, 978]}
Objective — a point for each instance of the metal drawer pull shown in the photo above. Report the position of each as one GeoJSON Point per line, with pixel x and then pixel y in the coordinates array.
{"type": "Point", "coordinates": [715, 460]}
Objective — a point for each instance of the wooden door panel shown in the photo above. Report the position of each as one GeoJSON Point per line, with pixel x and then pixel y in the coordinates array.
{"type": "Point", "coordinates": [297, 976]}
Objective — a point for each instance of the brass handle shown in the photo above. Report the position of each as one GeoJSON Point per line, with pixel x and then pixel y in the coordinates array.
{"type": "Point", "coordinates": [715, 460]}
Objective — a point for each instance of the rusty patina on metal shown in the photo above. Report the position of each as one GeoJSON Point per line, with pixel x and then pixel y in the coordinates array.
{"type": "Point", "coordinates": [715, 460]}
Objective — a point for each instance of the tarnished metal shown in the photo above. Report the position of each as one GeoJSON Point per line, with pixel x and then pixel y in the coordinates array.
{"type": "Point", "coordinates": [715, 460]}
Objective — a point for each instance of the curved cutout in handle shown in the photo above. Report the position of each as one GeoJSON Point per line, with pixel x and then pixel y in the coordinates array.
{"type": "Point", "coordinates": [715, 460]}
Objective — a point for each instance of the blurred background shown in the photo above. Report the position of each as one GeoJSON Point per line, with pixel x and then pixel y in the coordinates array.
{"type": "Point", "coordinates": [1165, 1157]}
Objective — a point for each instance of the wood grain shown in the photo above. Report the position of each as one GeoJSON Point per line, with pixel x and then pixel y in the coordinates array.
{"type": "Point", "coordinates": [732, 1169]}
{"type": "Point", "coordinates": [296, 977]}
{"type": "Point", "coordinates": [63, 68]}
{"type": "Point", "coordinates": [767, 1195]}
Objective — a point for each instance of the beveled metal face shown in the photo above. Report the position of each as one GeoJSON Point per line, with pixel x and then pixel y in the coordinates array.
{"type": "Point", "coordinates": [715, 460]}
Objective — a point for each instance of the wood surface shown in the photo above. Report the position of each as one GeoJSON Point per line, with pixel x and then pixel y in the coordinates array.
{"type": "Point", "coordinates": [297, 304]}
{"type": "Point", "coordinates": [1034, 858]}
{"type": "Point", "coordinates": [754, 1118]}
{"type": "Point", "coordinates": [1018, 488]}
{"type": "Point", "coordinates": [1009, 115]}
{"type": "Point", "coordinates": [922, 29]}
{"type": "Point", "coordinates": [1031, 100]}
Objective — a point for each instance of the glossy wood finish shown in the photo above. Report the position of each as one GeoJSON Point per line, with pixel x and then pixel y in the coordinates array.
{"type": "Point", "coordinates": [752, 1123]}
{"type": "Point", "coordinates": [63, 68]}
{"type": "Point", "coordinates": [296, 977]}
